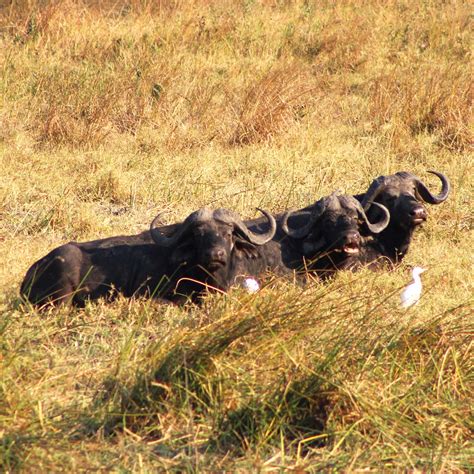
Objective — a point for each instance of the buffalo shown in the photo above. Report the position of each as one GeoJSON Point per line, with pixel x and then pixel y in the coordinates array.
{"type": "Point", "coordinates": [403, 194]}
{"type": "Point", "coordinates": [332, 236]}
{"type": "Point", "coordinates": [173, 262]}
{"type": "Point", "coordinates": [221, 250]}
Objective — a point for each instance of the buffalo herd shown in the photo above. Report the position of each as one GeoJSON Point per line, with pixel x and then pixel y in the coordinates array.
{"type": "Point", "coordinates": [215, 249]}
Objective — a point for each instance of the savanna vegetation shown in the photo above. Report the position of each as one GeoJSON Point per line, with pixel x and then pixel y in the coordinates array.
{"type": "Point", "coordinates": [113, 111]}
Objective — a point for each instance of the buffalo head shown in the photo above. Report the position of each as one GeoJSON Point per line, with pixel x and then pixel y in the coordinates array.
{"type": "Point", "coordinates": [207, 238]}
{"type": "Point", "coordinates": [403, 194]}
{"type": "Point", "coordinates": [334, 225]}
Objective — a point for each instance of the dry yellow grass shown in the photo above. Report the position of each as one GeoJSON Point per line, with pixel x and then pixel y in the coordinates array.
{"type": "Point", "coordinates": [113, 111]}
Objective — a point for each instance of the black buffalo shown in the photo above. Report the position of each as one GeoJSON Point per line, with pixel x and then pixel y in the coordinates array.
{"type": "Point", "coordinates": [332, 236]}
{"type": "Point", "coordinates": [403, 194]}
{"type": "Point", "coordinates": [221, 250]}
{"type": "Point", "coordinates": [320, 238]}
{"type": "Point", "coordinates": [171, 262]}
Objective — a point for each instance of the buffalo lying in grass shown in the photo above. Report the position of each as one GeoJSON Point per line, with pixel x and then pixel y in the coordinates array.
{"type": "Point", "coordinates": [320, 238]}
{"type": "Point", "coordinates": [403, 194]}
{"type": "Point", "coordinates": [332, 236]}
{"type": "Point", "coordinates": [335, 233]}
{"type": "Point", "coordinates": [204, 251]}
{"type": "Point", "coordinates": [221, 250]}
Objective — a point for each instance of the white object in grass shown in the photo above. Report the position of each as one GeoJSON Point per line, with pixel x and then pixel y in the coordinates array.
{"type": "Point", "coordinates": [411, 294]}
{"type": "Point", "coordinates": [251, 285]}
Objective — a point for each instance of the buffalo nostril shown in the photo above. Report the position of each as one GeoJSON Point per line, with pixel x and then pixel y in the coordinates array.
{"type": "Point", "coordinates": [418, 213]}
{"type": "Point", "coordinates": [352, 237]}
{"type": "Point", "coordinates": [215, 254]}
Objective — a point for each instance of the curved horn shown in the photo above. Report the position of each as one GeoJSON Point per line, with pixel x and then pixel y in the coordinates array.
{"type": "Point", "coordinates": [306, 229]}
{"type": "Point", "coordinates": [168, 241]}
{"type": "Point", "coordinates": [155, 223]}
{"type": "Point", "coordinates": [376, 227]}
{"type": "Point", "coordinates": [426, 194]}
{"type": "Point", "coordinates": [254, 238]}
{"type": "Point", "coordinates": [376, 187]}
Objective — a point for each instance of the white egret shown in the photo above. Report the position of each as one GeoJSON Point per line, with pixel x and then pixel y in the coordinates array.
{"type": "Point", "coordinates": [411, 294]}
{"type": "Point", "coordinates": [251, 285]}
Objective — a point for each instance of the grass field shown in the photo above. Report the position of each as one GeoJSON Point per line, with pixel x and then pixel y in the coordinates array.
{"type": "Point", "coordinates": [114, 111]}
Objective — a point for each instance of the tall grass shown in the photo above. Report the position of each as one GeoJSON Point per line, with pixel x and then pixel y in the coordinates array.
{"type": "Point", "coordinates": [125, 71]}
{"type": "Point", "coordinates": [114, 111]}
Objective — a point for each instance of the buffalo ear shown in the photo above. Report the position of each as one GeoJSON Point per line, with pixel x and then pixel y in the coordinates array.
{"type": "Point", "coordinates": [182, 253]}
{"type": "Point", "coordinates": [245, 249]}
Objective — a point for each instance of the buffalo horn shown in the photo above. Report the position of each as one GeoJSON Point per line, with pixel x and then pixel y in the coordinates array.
{"type": "Point", "coordinates": [229, 217]}
{"type": "Point", "coordinates": [376, 187]}
{"type": "Point", "coordinates": [306, 229]}
{"type": "Point", "coordinates": [376, 227]}
{"type": "Point", "coordinates": [426, 194]}
{"type": "Point", "coordinates": [202, 214]}
{"type": "Point", "coordinates": [205, 214]}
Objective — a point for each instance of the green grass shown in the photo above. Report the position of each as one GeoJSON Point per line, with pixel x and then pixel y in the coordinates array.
{"type": "Point", "coordinates": [111, 113]}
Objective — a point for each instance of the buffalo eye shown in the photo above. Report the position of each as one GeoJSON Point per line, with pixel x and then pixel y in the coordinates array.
{"type": "Point", "coordinates": [199, 231]}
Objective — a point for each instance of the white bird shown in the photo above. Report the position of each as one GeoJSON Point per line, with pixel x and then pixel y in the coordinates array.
{"type": "Point", "coordinates": [251, 285]}
{"type": "Point", "coordinates": [411, 294]}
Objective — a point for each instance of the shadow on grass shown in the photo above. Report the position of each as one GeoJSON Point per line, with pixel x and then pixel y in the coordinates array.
{"type": "Point", "coordinates": [183, 378]}
{"type": "Point", "coordinates": [298, 413]}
